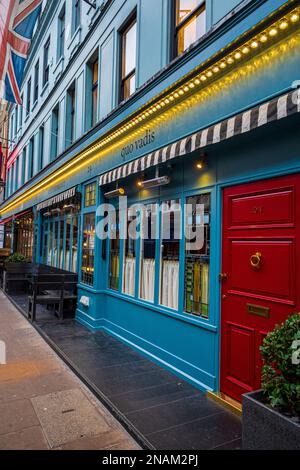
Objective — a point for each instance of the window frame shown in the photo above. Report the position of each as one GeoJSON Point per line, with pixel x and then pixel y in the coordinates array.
{"type": "Point", "coordinates": [129, 23]}
{"type": "Point", "coordinates": [28, 98]}
{"type": "Point", "coordinates": [36, 81]}
{"type": "Point", "coordinates": [46, 65]}
{"type": "Point", "coordinates": [76, 21]}
{"type": "Point", "coordinates": [177, 27]}
{"type": "Point", "coordinates": [61, 33]}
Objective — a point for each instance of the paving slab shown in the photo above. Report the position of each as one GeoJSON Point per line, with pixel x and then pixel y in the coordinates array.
{"type": "Point", "coordinates": [67, 416]}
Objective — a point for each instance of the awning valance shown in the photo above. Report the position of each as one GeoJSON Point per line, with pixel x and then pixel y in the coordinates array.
{"type": "Point", "coordinates": [16, 216]}
{"type": "Point", "coordinates": [57, 199]}
{"type": "Point", "coordinates": [249, 120]}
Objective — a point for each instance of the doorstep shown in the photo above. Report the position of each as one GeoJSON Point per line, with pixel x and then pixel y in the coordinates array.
{"type": "Point", "coordinates": [226, 401]}
{"type": "Point", "coordinates": [160, 410]}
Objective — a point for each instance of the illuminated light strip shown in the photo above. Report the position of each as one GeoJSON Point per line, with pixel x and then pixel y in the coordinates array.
{"type": "Point", "coordinates": [276, 30]}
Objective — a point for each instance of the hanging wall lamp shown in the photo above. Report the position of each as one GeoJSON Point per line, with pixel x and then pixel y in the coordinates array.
{"type": "Point", "coordinates": [115, 193]}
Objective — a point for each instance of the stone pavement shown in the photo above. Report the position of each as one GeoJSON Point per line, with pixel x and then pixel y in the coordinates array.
{"type": "Point", "coordinates": [43, 405]}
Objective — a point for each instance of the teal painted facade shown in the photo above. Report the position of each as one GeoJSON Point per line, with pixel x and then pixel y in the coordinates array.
{"type": "Point", "coordinates": [185, 344]}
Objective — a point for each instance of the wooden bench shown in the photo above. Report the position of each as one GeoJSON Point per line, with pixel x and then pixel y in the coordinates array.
{"type": "Point", "coordinates": [15, 276]}
{"type": "Point", "coordinates": [52, 289]}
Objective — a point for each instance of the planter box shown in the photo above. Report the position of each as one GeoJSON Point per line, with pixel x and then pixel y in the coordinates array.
{"type": "Point", "coordinates": [267, 429]}
{"type": "Point", "coordinates": [18, 268]}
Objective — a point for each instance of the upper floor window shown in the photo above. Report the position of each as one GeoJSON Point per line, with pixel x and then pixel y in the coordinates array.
{"type": "Point", "coordinates": [31, 158]}
{"type": "Point", "coordinates": [70, 119]}
{"type": "Point", "coordinates": [41, 148]}
{"type": "Point", "coordinates": [128, 58]}
{"type": "Point", "coordinates": [46, 62]}
{"type": "Point", "coordinates": [190, 23]}
{"type": "Point", "coordinates": [76, 14]}
{"type": "Point", "coordinates": [28, 103]}
{"type": "Point", "coordinates": [21, 110]}
{"type": "Point", "coordinates": [55, 130]}
{"type": "Point", "coordinates": [95, 70]}
{"type": "Point", "coordinates": [36, 81]}
{"type": "Point", "coordinates": [61, 33]}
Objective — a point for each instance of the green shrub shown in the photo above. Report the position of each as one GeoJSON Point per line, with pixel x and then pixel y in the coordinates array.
{"type": "Point", "coordinates": [280, 377]}
{"type": "Point", "coordinates": [16, 258]}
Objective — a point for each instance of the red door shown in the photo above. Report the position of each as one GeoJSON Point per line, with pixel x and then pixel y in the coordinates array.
{"type": "Point", "coordinates": [260, 271]}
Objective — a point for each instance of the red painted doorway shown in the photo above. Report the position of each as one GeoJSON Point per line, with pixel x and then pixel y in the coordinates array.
{"type": "Point", "coordinates": [260, 274]}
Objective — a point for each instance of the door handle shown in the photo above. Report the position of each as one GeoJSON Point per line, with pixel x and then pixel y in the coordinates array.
{"type": "Point", "coordinates": [223, 276]}
{"type": "Point", "coordinates": [255, 260]}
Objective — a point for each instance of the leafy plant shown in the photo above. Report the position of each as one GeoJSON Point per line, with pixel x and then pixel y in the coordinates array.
{"type": "Point", "coordinates": [280, 376]}
{"type": "Point", "coordinates": [16, 258]}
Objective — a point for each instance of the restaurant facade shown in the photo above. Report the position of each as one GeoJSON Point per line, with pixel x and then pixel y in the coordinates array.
{"type": "Point", "coordinates": [214, 127]}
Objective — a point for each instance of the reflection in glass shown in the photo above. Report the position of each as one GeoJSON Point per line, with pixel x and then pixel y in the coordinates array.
{"type": "Point", "coordinates": [194, 27]}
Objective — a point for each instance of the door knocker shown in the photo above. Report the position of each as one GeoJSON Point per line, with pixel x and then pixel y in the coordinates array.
{"type": "Point", "coordinates": [255, 260]}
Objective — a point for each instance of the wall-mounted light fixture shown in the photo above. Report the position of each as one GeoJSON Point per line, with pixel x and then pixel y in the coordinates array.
{"type": "Point", "coordinates": [154, 182]}
{"type": "Point", "coordinates": [115, 193]}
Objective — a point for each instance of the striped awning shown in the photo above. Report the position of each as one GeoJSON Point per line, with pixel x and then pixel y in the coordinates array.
{"type": "Point", "coordinates": [57, 199]}
{"type": "Point", "coordinates": [247, 121]}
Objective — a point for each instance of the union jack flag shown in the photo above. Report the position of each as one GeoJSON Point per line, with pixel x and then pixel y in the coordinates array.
{"type": "Point", "coordinates": [17, 21]}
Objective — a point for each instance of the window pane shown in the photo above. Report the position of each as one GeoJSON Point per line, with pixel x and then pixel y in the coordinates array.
{"type": "Point", "coordinates": [129, 256]}
{"type": "Point", "coordinates": [61, 245]}
{"type": "Point", "coordinates": [55, 250]}
{"type": "Point", "coordinates": [68, 240]}
{"type": "Point", "coordinates": [114, 251]}
{"type": "Point", "coordinates": [88, 247]}
{"type": "Point", "coordinates": [129, 50]}
{"type": "Point", "coordinates": [75, 246]}
{"type": "Point", "coordinates": [191, 31]}
{"type": "Point", "coordinates": [170, 241]}
{"type": "Point", "coordinates": [90, 195]}
{"type": "Point", "coordinates": [148, 248]}
{"type": "Point", "coordinates": [197, 255]}
{"type": "Point", "coordinates": [184, 8]}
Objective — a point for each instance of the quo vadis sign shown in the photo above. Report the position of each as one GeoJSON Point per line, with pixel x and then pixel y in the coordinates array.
{"type": "Point", "coordinates": [139, 144]}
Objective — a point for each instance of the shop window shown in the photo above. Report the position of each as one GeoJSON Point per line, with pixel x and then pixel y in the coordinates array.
{"type": "Point", "coordinates": [128, 59]}
{"type": "Point", "coordinates": [75, 245]}
{"type": "Point", "coordinates": [170, 243]}
{"type": "Point", "coordinates": [129, 260]}
{"type": "Point", "coordinates": [197, 255]}
{"type": "Point", "coordinates": [90, 194]}
{"type": "Point", "coordinates": [148, 249]}
{"type": "Point", "coordinates": [88, 249]}
{"type": "Point", "coordinates": [24, 236]}
{"type": "Point", "coordinates": [7, 235]}
{"type": "Point", "coordinates": [49, 246]}
{"type": "Point", "coordinates": [190, 23]}
{"type": "Point", "coordinates": [68, 244]}
{"type": "Point", "coordinates": [114, 252]}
